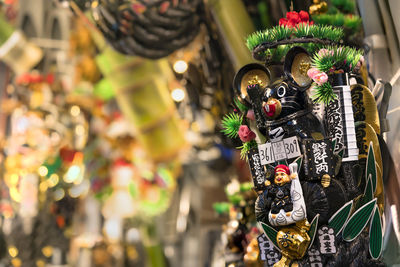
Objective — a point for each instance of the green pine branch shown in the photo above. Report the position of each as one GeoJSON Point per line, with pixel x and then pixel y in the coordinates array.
{"type": "Point", "coordinates": [343, 57]}
{"type": "Point", "coordinates": [324, 93]}
{"type": "Point", "coordinates": [279, 33]}
{"type": "Point", "coordinates": [231, 124]}
{"type": "Point", "coordinates": [246, 147]}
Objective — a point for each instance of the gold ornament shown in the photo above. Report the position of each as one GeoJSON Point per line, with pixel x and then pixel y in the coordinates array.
{"type": "Point", "coordinates": [326, 180]}
{"type": "Point", "coordinates": [319, 7]}
{"type": "Point", "coordinates": [364, 106]}
{"type": "Point", "coordinates": [301, 64]}
{"type": "Point", "coordinates": [252, 252]}
{"type": "Point", "coordinates": [256, 80]}
{"type": "Point", "coordinates": [293, 242]}
{"type": "Point", "coordinates": [254, 76]}
{"type": "Point", "coordinates": [304, 67]}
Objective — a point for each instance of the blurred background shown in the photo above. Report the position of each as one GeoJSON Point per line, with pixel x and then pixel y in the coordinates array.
{"type": "Point", "coordinates": [110, 127]}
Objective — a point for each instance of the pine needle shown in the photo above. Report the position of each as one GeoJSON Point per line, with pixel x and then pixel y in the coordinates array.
{"type": "Point", "coordinates": [231, 124]}
{"type": "Point", "coordinates": [324, 93]}
{"type": "Point", "coordinates": [246, 147]}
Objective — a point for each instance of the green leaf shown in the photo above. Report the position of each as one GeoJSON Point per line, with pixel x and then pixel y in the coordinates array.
{"type": "Point", "coordinates": [334, 141]}
{"type": "Point", "coordinates": [368, 192]}
{"type": "Point", "coordinates": [231, 124]}
{"type": "Point", "coordinates": [283, 161]}
{"type": "Point", "coordinates": [375, 235]}
{"type": "Point", "coordinates": [243, 108]}
{"type": "Point", "coordinates": [338, 220]}
{"type": "Point", "coordinates": [358, 221]}
{"type": "Point", "coordinates": [371, 167]}
{"type": "Point", "coordinates": [341, 153]}
{"type": "Point", "coordinates": [270, 233]}
{"type": "Point", "coordinates": [313, 229]}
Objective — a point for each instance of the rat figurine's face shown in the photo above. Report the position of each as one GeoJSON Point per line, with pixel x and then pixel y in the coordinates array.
{"type": "Point", "coordinates": [281, 178]}
{"type": "Point", "coordinates": [280, 100]}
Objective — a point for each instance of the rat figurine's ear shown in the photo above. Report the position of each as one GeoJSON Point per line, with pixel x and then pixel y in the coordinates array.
{"type": "Point", "coordinates": [297, 63]}
{"type": "Point", "coordinates": [250, 74]}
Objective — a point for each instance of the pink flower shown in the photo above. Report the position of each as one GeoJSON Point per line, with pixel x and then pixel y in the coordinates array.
{"type": "Point", "coordinates": [312, 72]}
{"type": "Point", "coordinates": [320, 78]}
{"type": "Point", "coordinates": [250, 115]}
{"type": "Point", "coordinates": [245, 134]}
{"type": "Point", "coordinates": [325, 52]}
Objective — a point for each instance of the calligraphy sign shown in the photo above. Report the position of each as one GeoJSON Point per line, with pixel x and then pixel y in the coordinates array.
{"type": "Point", "coordinates": [267, 250]}
{"type": "Point", "coordinates": [335, 121]}
{"type": "Point", "coordinates": [318, 158]}
{"type": "Point", "coordinates": [314, 258]}
{"type": "Point", "coordinates": [326, 236]}
{"type": "Point", "coordinates": [257, 169]}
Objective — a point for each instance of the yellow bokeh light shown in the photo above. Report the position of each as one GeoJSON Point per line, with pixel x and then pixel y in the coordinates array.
{"type": "Point", "coordinates": [80, 130]}
{"type": "Point", "coordinates": [75, 111]}
{"type": "Point", "coordinates": [47, 251]}
{"type": "Point", "coordinates": [43, 171]}
{"type": "Point", "coordinates": [13, 251]}
{"type": "Point", "coordinates": [43, 186]}
{"type": "Point", "coordinates": [14, 194]}
{"type": "Point", "coordinates": [40, 263]}
{"type": "Point", "coordinates": [53, 180]}
{"type": "Point", "coordinates": [16, 262]}
{"type": "Point", "coordinates": [11, 179]}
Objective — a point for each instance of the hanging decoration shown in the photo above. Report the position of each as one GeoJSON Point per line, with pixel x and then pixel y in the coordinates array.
{"type": "Point", "coordinates": [150, 29]}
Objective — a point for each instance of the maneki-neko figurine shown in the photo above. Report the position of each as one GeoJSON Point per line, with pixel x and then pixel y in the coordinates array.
{"type": "Point", "coordinates": [319, 184]}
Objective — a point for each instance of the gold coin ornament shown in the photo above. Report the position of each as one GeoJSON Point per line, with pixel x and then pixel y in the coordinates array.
{"type": "Point", "coordinates": [297, 64]}
{"type": "Point", "coordinates": [250, 74]}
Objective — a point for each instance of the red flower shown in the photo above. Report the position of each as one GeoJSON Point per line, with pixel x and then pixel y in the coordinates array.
{"type": "Point", "coordinates": [304, 17]}
{"type": "Point", "coordinates": [283, 22]}
{"type": "Point", "coordinates": [293, 19]}
{"type": "Point", "coordinates": [245, 134]}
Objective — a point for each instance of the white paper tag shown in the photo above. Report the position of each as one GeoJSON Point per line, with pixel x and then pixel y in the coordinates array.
{"type": "Point", "coordinates": [292, 147]}
{"type": "Point", "coordinates": [266, 154]}
{"type": "Point", "coordinates": [279, 150]}
{"type": "Point", "coordinates": [275, 151]}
